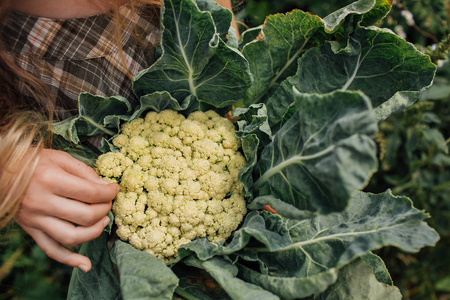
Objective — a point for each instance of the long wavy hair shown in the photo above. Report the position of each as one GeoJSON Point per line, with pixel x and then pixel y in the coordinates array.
{"type": "Point", "coordinates": [25, 122]}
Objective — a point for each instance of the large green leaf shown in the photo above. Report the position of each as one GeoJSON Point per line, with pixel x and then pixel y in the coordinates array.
{"type": "Point", "coordinates": [391, 71]}
{"type": "Point", "coordinates": [100, 282]}
{"type": "Point", "coordinates": [299, 258]}
{"type": "Point", "coordinates": [142, 276]}
{"type": "Point", "coordinates": [194, 60]}
{"type": "Point", "coordinates": [323, 154]}
{"type": "Point", "coordinates": [377, 62]}
{"type": "Point", "coordinates": [325, 243]}
{"type": "Point", "coordinates": [371, 221]}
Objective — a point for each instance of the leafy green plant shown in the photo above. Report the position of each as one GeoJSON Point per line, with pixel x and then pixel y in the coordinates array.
{"type": "Point", "coordinates": [310, 94]}
{"type": "Point", "coordinates": [413, 144]}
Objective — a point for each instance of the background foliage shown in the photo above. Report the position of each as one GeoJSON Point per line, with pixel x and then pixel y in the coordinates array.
{"type": "Point", "coordinates": [413, 145]}
{"type": "Point", "coordinates": [413, 154]}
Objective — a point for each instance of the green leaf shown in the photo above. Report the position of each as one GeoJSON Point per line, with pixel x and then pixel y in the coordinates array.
{"type": "Point", "coordinates": [378, 267]}
{"type": "Point", "coordinates": [369, 222]}
{"type": "Point", "coordinates": [326, 243]}
{"type": "Point", "coordinates": [377, 13]}
{"type": "Point", "coordinates": [78, 151]}
{"type": "Point", "coordinates": [225, 274]}
{"type": "Point", "coordinates": [96, 115]}
{"type": "Point", "coordinates": [323, 154]}
{"type": "Point", "coordinates": [194, 61]}
{"type": "Point", "coordinates": [221, 16]}
{"type": "Point", "coordinates": [100, 282]}
{"type": "Point", "coordinates": [290, 287]}
{"type": "Point", "coordinates": [283, 40]}
{"type": "Point", "coordinates": [376, 62]}
{"type": "Point", "coordinates": [356, 281]}
{"type": "Point", "coordinates": [249, 35]}
{"type": "Point", "coordinates": [142, 276]}
{"type": "Point", "coordinates": [389, 70]}
{"type": "Point", "coordinates": [250, 146]}
{"type": "Point", "coordinates": [272, 58]}
{"type": "Point", "coordinates": [253, 120]}
{"type": "Point", "coordinates": [335, 19]}
{"type": "Point", "coordinates": [159, 101]}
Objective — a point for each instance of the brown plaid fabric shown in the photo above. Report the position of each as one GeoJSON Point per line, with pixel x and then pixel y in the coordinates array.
{"type": "Point", "coordinates": [81, 55]}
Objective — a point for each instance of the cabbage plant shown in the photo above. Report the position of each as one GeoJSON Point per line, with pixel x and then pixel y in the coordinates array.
{"type": "Point", "coordinates": [308, 95]}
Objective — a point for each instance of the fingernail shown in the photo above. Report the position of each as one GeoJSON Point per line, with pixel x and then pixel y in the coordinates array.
{"type": "Point", "coordinates": [103, 181]}
{"type": "Point", "coordinates": [83, 268]}
{"type": "Point", "coordinates": [106, 222]}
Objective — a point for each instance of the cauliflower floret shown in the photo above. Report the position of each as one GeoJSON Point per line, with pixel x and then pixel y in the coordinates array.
{"type": "Point", "coordinates": [124, 204]}
{"type": "Point", "coordinates": [191, 131]}
{"type": "Point", "coordinates": [235, 164]}
{"type": "Point", "coordinates": [178, 178]}
{"type": "Point", "coordinates": [112, 164]}
{"type": "Point", "coordinates": [137, 146]}
{"type": "Point", "coordinates": [120, 141]}
{"type": "Point", "coordinates": [207, 149]}
{"type": "Point", "coordinates": [133, 179]}
{"type": "Point", "coordinates": [133, 128]}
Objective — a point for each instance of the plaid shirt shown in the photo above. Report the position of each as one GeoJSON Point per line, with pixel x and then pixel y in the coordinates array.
{"type": "Point", "coordinates": [81, 55]}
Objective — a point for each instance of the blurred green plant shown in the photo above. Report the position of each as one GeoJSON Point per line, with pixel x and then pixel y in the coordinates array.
{"type": "Point", "coordinates": [414, 161]}
{"type": "Point", "coordinates": [26, 272]}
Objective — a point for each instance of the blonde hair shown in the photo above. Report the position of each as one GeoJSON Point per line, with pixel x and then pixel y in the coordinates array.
{"type": "Point", "coordinates": [25, 125]}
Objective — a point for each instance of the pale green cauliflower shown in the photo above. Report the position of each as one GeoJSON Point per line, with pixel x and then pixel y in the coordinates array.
{"type": "Point", "coordinates": [178, 178]}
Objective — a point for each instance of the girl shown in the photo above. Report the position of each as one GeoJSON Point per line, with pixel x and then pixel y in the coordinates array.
{"type": "Point", "coordinates": [50, 51]}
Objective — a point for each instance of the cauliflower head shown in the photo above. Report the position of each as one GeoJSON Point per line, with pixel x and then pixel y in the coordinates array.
{"type": "Point", "coordinates": [178, 178]}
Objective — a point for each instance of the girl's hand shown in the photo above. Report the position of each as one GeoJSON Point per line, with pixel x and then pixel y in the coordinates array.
{"type": "Point", "coordinates": [65, 204]}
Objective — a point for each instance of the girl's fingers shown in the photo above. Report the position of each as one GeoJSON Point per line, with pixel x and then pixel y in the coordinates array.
{"type": "Point", "coordinates": [88, 191]}
{"type": "Point", "coordinates": [56, 251]}
{"type": "Point", "coordinates": [67, 233]}
{"type": "Point", "coordinates": [65, 176]}
{"type": "Point", "coordinates": [73, 211]}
